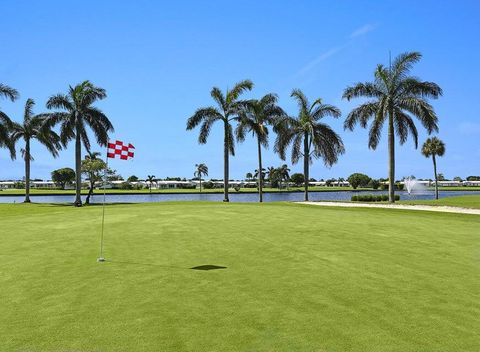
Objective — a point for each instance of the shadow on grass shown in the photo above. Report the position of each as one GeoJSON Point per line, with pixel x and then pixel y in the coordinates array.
{"type": "Point", "coordinates": [208, 267]}
{"type": "Point", "coordinates": [199, 267]}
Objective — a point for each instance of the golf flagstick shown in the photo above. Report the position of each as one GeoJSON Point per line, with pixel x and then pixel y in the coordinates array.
{"type": "Point", "coordinates": [101, 258]}
{"type": "Point", "coordinates": [124, 152]}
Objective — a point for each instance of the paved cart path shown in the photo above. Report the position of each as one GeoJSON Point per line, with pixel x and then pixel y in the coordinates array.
{"type": "Point", "coordinates": [439, 208]}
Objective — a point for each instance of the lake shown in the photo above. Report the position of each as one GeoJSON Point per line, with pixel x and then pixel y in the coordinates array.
{"type": "Point", "coordinates": [234, 197]}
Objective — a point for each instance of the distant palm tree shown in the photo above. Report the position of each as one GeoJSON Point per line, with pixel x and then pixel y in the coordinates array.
{"type": "Point", "coordinates": [151, 180]}
{"type": "Point", "coordinates": [259, 175]}
{"type": "Point", "coordinates": [34, 127]}
{"type": "Point", "coordinates": [228, 110]}
{"type": "Point", "coordinates": [255, 118]}
{"type": "Point", "coordinates": [284, 173]}
{"type": "Point", "coordinates": [395, 96]}
{"type": "Point", "coordinates": [318, 139]}
{"type": "Point", "coordinates": [434, 147]}
{"type": "Point", "coordinates": [200, 170]}
{"type": "Point", "coordinates": [5, 122]}
{"type": "Point", "coordinates": [248, 176]}
{"type": "Point", "coordinates": [79, 113]}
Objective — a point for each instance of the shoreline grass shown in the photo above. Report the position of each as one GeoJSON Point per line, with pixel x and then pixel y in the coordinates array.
{"type": "Point", "coordinates": [56, 192]}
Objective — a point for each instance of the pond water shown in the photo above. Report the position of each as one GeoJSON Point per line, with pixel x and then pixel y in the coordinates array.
{"type": "Point", "coordinates": [234, 197]}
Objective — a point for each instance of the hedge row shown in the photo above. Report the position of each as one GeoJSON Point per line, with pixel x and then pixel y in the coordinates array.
{"type": "Point", "coordinates": [372, 198]}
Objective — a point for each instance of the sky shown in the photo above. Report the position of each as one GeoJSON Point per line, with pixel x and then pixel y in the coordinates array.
{"type": "Point", "coordinates": [158, 61]}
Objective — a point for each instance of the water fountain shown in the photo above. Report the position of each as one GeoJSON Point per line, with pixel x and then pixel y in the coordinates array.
{"type": "Point", "coordinates": [413, 187]}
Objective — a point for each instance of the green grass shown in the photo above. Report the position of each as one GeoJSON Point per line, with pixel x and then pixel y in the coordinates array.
{"type": "Point", "coordinates": [469, 201]}
{"type": "Point", "coordinates": [297, 278]}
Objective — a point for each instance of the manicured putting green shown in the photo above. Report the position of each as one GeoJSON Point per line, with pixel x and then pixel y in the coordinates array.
{"type": "Point", "coordinates": [273, 277]}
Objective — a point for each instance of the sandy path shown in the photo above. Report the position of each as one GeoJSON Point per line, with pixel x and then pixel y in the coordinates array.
{"type": "Point", "coordinates": [444, 209]}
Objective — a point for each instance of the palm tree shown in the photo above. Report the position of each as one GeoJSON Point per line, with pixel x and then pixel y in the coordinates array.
{"type": "Point", "coordinates": [228, 110]}
{"type": "Point", "coordinates": [319, 140]}
{"type": "Point", "coordinates": [434, 147]}
{"type": "Point", "coordinates": [79, 113]}
{"type": "Point", "coordinates": [284, 173]}
{"type": "Point", "coordinates": [255, 118]}
{"type": "Point", "coordinates": [248, 176]}
{"type": "Point", "coordinates": [151, 180]}
{"type": "Point", "coordinates": [395, 97]}
{"type": "Point", "coordinates": [34, 127]}
{"type": "Point", "coordinates": [200, 169]}
{"type": "Point", "coordinates": [5, 122]}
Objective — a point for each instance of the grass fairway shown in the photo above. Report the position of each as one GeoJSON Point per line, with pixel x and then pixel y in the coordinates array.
{"type": "Point", "coordinates": [297, 278]}
{"type": "Point", "coordinates": [470, 201]}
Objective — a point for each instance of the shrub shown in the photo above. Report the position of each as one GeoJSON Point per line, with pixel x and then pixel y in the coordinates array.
{"type": "Point", "coordinates": [354, 198]}
{"type": "Point", "coordinates": [207, 185]}
{"type": "Point", "coordinates": [125, 185]}
{"type": "Point", "coordinates": [384, 198]}
{"type": "Point", "coordinates": [399, 186]}
{"type": "Point", "coordinates": [397, 197]}
{"type": "Point", "coordinates": [375, 184]}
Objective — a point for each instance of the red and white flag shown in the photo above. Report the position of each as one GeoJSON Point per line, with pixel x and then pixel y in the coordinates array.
{"type": "Point", "coordinates": [120, 149]}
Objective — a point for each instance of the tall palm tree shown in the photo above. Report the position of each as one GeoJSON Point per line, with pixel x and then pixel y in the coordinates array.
{"type": "Point", "coordinates": [34, 127]}
{"type": "Point", "coordinates": [256, 116]}
{"type": "Point", "coordinates": [395, 97]}
{"type": "Point", "coordinates": [200, 170]}
{"type": "Point", "coordinates": [5, 122]}
{"type": "Point", "coordinates": [434, 147]}
{"type": "Point", "coordinates": [228, 110]}
{"type": "Point", "coordinates": [318, 139]}
{"type": "Point", "coordinates": [78, 114]}
{"type": "Point", "coordinates": [151, 180]}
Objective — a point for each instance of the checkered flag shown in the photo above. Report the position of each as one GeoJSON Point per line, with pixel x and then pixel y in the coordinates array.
{"type": "Point", "coordinates": [120, 149]}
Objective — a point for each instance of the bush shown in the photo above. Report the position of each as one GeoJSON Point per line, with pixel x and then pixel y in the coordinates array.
{"type": "Point", "coordinates": [384, 187]}
{"type": "Point", "coordinates": [207, 185]}
{"type": "Point", "coordinates": [399, 186]}
{"type": "Point", "coordinates": [375, 184]}
{"type": "Point", "coordinates": [125, 185]}
{"type": "Point", "coordinates": [372, 198]}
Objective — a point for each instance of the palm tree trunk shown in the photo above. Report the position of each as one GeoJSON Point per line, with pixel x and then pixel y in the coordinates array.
{"type": "Point", "coordinates": [78, 169]}
{"type": "Point", "coordinates": [27, 171]}
{"type": "Point", "coordinates": [90, 190]}
{"type": "Point", "coordinates": [306, 155]}
{"type": "Point", "coordinates": [225, 163]}
{"type": "Point", "coordinates": [200, 182]}
{"type": "Point", "coordinates": [260, 173]}
{"type": "Point", "coordinates": [435, 173]}
{"type": "Point", "coordinates": [391, 159]}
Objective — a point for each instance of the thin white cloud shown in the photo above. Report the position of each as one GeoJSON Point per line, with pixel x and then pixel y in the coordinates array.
{"type": "Point", "coordinates": [334, 50]}
{"type": "Point", "coordinates": [325, 55]}
{"type": "Point", "coordinates": [362, 30]}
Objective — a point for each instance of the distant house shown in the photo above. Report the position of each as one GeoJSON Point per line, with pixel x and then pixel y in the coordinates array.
{"type": "Point", "coordinates": [7, 184]}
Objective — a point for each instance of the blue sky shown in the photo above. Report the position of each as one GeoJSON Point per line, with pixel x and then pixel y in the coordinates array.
{"type": "Point", "coordinates": [159, 60]}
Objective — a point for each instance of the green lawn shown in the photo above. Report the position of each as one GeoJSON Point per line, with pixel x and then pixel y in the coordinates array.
{"type": "Point", "coordinates": [297, 278]}
{"type": "Point", "coordinates": [469, 201]}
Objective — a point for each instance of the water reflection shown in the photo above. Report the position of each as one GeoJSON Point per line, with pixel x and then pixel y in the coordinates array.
{"type": "Point", "coordinates": [234, 197]}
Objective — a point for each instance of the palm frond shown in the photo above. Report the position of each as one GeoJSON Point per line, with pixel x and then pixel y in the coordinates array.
{"type": "Point", "coordinates": [237, 90]}
{"type": "Point", "coordinates": [8, 92]}
{"type": "Point", "coordinates": [202, 115]}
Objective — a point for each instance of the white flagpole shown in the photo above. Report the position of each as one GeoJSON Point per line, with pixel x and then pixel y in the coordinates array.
{"type": "Point", "coordinates": [101, 258]}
